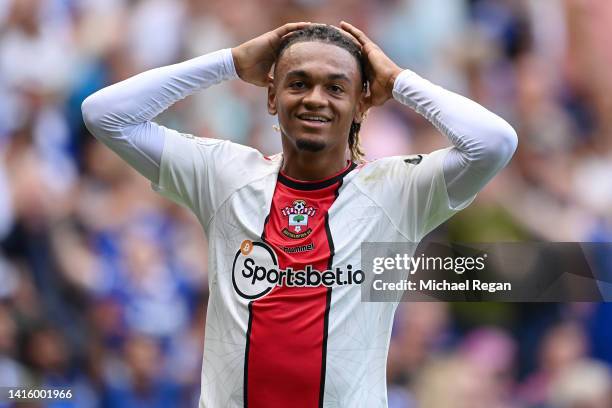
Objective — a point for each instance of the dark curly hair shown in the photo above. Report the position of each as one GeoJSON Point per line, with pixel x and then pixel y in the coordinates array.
{"type": "Point", "coordinates": [331, 35]}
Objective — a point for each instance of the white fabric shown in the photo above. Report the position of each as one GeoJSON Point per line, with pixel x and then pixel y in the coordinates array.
{"type": "Point", "coordinates": [230, 187]}
{"type": "Point", "coordinates": [483, 142]}
{"type": "Point", "coordinates": [120, 117]}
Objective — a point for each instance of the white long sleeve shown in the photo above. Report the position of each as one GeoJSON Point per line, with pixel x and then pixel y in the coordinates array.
{"type": "Point", "coordinates": [120, 115]}
{"type": "Point", "coordinates": [483, 142]}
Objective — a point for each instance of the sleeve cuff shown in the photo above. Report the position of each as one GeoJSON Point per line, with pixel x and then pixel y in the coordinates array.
{"type": "Point", "coordinates": [407, 79]}
{"type": "Point", "coordinates": [229, 70]}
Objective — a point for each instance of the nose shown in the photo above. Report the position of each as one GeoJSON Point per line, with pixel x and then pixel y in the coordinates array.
{"type": "Point", "coordinates": [315, 98]}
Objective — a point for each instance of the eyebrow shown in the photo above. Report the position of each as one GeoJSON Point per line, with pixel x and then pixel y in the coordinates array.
{"type": "Point", "coordinates": [303, 74]}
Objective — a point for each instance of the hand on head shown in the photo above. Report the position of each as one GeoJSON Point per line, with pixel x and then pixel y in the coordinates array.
{"type": "Point", "coordinates": [254, 58]}
{"type": "Point", "coordinates": [381, 71]}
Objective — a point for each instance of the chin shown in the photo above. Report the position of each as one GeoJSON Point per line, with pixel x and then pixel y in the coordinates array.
{"type": "Point", "coordinates": [310, 145]}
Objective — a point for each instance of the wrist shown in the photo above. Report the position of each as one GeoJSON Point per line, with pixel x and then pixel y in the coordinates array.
{"type": "Point", "coordinates": [391, 81]}
{"type": "Point", "coordinates": [236, 58]}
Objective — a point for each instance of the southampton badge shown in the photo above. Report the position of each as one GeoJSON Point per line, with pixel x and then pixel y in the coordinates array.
{"type": "Point", "coordinates": [297, 217]}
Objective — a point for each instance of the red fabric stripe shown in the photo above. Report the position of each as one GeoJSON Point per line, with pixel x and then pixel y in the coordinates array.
{"type": "Point", "coordinates": [288, 325]}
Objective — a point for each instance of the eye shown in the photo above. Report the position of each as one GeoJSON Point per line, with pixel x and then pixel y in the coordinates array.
{"type": "Point", "coordinates": [336, 88]}
{"type": "Point", "coordinates": [297, 85]}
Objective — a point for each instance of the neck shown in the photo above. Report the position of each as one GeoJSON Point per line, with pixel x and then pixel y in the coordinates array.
{"type": "Point", "coordinates": [312, 166]}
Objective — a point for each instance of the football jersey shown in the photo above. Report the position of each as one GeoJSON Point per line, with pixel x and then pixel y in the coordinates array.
{"type": "Point", "coordinates": [286, 325]}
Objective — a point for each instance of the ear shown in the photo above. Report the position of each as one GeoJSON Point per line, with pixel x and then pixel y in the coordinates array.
{"type": "Point", "coordinates": [271, 96]}
{"type": "Point", "coordinates": [362, 106]}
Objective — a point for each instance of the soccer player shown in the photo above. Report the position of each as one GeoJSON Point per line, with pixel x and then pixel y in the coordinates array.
{"type": "Point", "coordinates": [286, 325]}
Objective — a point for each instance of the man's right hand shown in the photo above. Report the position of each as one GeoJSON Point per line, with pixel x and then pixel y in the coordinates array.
{"type": "Point", "coordinates": [254, 58]}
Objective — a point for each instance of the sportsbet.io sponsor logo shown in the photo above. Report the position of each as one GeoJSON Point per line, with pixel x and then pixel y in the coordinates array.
{"type": "Point", "coordinates": [256, 271]}
{"type": "Point", "coordinates": [252, 263]}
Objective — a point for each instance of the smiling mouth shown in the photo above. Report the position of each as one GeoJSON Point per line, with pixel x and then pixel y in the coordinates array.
{"type": "Point", "coordinates": [313, 120]}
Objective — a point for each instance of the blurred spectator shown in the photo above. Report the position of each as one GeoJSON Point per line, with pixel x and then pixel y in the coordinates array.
{"type": "Point", "coordinates": [454, 383]}
{"type": "Point", "coordinates": [562, 346]}
{"type": "Point", "coordinates": [12, 373]}
{"type": "Point", "coordinates": [584, 384]}
{"type": "Point", "coordinates": [493, 351]}
{"type": "Point", "coordinates": [48, 355]}
{"type": "Point", "coordinates": [141, 381]}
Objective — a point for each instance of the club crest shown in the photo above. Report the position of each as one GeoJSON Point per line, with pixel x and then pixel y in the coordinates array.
{"type": "Point", "coordinates": [297, 219]}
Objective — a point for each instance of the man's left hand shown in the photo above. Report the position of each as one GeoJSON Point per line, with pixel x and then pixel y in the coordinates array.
{"type": "Point", "coordinates": [381, 71]}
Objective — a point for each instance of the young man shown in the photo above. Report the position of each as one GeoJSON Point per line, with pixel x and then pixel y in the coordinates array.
{"type": "Point", "coordinates": [286, 325]}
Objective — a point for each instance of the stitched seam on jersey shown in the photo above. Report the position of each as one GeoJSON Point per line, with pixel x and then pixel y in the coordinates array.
{"type": "Point", "coordinates": [129, 140]}
{"type": "Point", "coordinates": [214, 213]}
{"type": "Point", "coordinates": [383, 210]}
{"type": "Point", "coordinates": [328, 296]}
{"type": "Point", "coordinates": [450, 205]}
{"type": "Point", "coordinates": [191, 206]}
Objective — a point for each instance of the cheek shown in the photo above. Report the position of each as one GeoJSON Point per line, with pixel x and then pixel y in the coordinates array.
{"type": "Point", "coordinates": [347, 112]}
{"type": "Point", "coordinates": [285, 106]}
{"type": "Point", "coordinates": [283, 111]}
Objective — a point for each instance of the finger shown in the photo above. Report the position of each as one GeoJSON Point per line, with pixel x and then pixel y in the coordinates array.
{"type": "Point", "coordinates": [288, 33]}
{"type": "Point", "coordinates": [290, 27]}
{"type": "Point", "coordinates": [357, 33]}
{"type": "Point", "coordinates": [349, 35]}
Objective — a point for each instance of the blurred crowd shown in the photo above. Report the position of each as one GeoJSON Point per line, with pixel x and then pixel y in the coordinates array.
{"type": "Point", "coordinates": [103, 284]}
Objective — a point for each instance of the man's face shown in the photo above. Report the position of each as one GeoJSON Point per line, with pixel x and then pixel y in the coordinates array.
{"type": "Point", "coordinates": [317, 94]}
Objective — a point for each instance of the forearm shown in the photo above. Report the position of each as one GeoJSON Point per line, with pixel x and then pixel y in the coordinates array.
{"type": "Point", "coordinates": [120, 115]}
{"type": "Point", "coordinates": [483, 142]}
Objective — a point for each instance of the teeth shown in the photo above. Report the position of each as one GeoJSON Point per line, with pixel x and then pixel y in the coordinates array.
{"type": "Point", "coordinates": [316, 118]}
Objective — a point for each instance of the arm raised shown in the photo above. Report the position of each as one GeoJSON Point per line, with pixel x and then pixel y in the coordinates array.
{"type": "Point", "coordinates": [120, 115]}
{"type": "Point", "coordinates": [483, 142]}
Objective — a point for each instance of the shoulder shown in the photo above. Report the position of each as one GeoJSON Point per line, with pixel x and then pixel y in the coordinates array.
{"type": "Point", "coordinates": [389, 167]}
{"type": "Point", "coordinates": [220, 162]}
{"type": "Point", "coordinates": [388, 178]}
{"type": "Point", "coordinates": [217, 150]}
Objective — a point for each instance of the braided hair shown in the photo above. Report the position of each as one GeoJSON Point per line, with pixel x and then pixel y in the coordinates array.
{"type": "Point", "coordinates": [331, 35]}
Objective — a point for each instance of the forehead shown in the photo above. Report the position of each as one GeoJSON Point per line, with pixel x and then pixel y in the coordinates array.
{"type": "Point", "coordinates": [317, 58]}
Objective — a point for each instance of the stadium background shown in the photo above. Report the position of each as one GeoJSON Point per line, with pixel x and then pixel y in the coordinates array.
{"type": "Point", "coordinates": [102, 283]}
